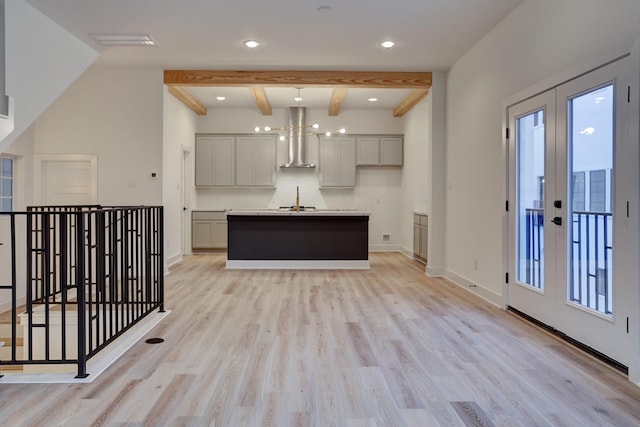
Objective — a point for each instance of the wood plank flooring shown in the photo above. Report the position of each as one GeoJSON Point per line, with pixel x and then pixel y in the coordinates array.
{"type": "Point", "coordinates": [384, 347]}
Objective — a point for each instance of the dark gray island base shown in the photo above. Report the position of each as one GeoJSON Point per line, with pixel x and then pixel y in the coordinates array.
{"type": "Point", "coordinates": [302, 240]}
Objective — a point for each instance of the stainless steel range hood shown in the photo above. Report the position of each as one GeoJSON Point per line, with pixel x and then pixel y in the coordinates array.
{"type": "Point", "coordinates": [297, 142]}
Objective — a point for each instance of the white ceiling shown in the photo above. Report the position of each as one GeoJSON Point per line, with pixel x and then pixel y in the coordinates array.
{"type": "Point", "coordinates": [204, 34]}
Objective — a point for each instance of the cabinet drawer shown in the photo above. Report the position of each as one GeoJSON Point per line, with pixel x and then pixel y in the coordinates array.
{"type": "Point", "coordinates": [208, 215]}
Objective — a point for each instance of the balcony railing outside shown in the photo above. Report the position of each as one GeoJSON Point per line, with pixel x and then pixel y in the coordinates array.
{"type": "Point", "coordinates": [89, 273]}
{"type": "Point", "coordinates": [590, 257]}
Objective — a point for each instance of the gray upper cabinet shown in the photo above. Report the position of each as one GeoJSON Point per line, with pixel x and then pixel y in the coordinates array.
{"type": "Point", "coordinates": [368, 151]}
{"type": "Point", "coordinates": [236, 160]}
{"type": "Point", "coordinates": [215, 160]}
{"type": "Point", "coordinates": [379, 150]}
{"type": "Point", "coordinates": [337, 162]}
{"type": "Point", "coordinates": [256, 160]}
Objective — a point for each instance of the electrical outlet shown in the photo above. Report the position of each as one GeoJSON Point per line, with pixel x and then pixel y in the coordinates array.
{"type": "Point", "coordinates": [386, 238]}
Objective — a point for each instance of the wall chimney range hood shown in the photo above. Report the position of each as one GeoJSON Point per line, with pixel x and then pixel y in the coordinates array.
{"type": "Point", "coordinates": [297, 141]}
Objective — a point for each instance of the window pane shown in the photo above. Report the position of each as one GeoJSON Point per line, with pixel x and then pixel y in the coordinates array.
{"type": "Point", "coordinates": [530, 145]}
{"type": "Point", "coordinates": [5, 205]}
{"type": "Point", "coordinates": [578, 191]}
{"type": "Point", "coordinates": [591, 116]}
{"type": "Point", "coordinates": [6, 187]}
{"type": "Point", "coordinates": [597, 191]}
{"type": "Point", "coordinates": [6, 167]}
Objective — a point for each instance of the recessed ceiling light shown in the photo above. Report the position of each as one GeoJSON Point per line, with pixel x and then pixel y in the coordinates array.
{"type": "Point", "coordinates": [387, 44]}
{"type": "Point", "coordinates": [372, 99]}
{"type": "Point", "coordinates": [297, 98]}
{"type": "Point", "coordinates": [221, 98]}
{"type": "Point", "coordinates": [115, 39]}
{"type": "Point", "coordinates": [252, 44]}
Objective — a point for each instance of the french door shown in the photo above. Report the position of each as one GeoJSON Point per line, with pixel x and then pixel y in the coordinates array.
{"type": "Point", "coordinates": [563, 187]}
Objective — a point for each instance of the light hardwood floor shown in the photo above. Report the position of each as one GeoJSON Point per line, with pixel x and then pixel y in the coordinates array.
{"type": "Point", "coordinates": [384, 347]}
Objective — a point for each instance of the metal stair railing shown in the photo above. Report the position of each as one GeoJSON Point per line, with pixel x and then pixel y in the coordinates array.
{"type": "Point", "coordinates": [102, 267]}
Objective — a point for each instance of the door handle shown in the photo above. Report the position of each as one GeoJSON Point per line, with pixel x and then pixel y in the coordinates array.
{"type": "Point", "coordinates": [557, 220]}
{"type": "Point", "coordinates": [184, 209]}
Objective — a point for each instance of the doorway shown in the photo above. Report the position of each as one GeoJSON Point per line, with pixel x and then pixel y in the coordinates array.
{"type": "Point", "coordinates": [185, 200]}
{"type": "Point", "coordinates": [567, 196]}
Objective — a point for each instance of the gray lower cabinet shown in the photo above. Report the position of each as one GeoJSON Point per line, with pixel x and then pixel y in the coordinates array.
{"type": "Point", "coordinates": [420, 237]}
{"type": "Point", "coordinates": [337, 162]}
{"type": "Point", "coordinates": [235, 160]}
{"type": "Point", "coordinates": [208, 229]}
{"type": "Point", "coordinates": [379, 150]}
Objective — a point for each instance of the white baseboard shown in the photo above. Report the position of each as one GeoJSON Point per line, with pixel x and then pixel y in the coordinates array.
{"type": "Point", "coordinates": [474, 288]}
{"type": "Point", "coordinates": [391, 248]}
{"type": "Point", "coordinates": [174, 259]}
{"type": "Point", "coordinates": [385, 248]}
{"type": "Point", "coordinates": [436, 271]}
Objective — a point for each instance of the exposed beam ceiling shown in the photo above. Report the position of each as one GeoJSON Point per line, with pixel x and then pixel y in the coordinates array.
{"type": "Point", "coordinates": [187, 99]}
{"type": "Point", "coordinates": [410, 101]}
{"type": "Point", "coordinates": [337, 98]}
{"type": "Point", "coordinates": [341, 81]}
{"type": "Point", "coordinates": [262, 101]}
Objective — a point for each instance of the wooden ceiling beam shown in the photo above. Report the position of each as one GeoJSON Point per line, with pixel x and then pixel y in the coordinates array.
{"type": "Point", "coordinates": [337, 98]}
{"type": "Point", "coordinates": [187, 99]}
{"type": "Point", "coordinates": [251, 78]}
{"type": "Point", "coordinates": [410, 101]}
{"type": "Point", "coordinates": [260, 96]}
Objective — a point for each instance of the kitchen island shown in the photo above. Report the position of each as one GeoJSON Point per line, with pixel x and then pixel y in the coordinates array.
{"type": "Point", "coordinates": [290, 239]}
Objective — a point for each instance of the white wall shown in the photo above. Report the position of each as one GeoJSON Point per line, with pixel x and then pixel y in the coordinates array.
{"type": "Point", "coordinates": [436, 260]}
{"type": "Point", "coordinates": [179, 130]}
{"type": "Point", "coordinates": [116, 114]}
{"type": "Point", "coordinates": [42, 60]}
{"type": "Point", "coordinates": [538, 39]}
{"type": "Point", "coordinates": [416, 172]}
{"type": "Point", "coordinates": [378, 190]}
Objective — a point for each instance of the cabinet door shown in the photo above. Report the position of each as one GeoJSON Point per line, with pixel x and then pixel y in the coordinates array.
{"type": "Point", "coordinates": [367, 151]}
{"type": "Point", "coordinates": [204, 160]}
{"type": "Point", "coordinates": [202, 234]}
{"type": "Point", "coordinates": [329, 162]}
{"type": "Point", "coordinates": [391, 151]}
{"type": "Point", "coordinates": [337, 162]}
{"type": "Point", "coordinates": [256, 160]}
{"type": "Point", "coordinates": [245, 160]}
{"type": "Point", "coordinates": [424, 242]}
{"type": "Point", "coordinates": [223, 160]}
{"type": "Point", "coordinates": [265, 160]}
{"type": "Point", "coordinates": [347, 162]}
{"type": "Point", "coordinates": [219, 234]}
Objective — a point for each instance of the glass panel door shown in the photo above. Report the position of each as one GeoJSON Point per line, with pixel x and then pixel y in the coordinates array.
{"type": "Point", "coordinates": [590, 140]}
{"type": "Point", "coordinates": [532, 156]}
{"type": "Point", "coordinates": [563, 159]}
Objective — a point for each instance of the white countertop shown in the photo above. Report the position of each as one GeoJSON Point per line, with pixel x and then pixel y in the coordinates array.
{"type": "Point", "coordinates": [312, 212]}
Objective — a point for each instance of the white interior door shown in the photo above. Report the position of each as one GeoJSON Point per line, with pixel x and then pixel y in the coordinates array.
{"type": "Point", "coordinates": [185, 199]}
{"type": "Point", "coordinates": [563, 231]}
